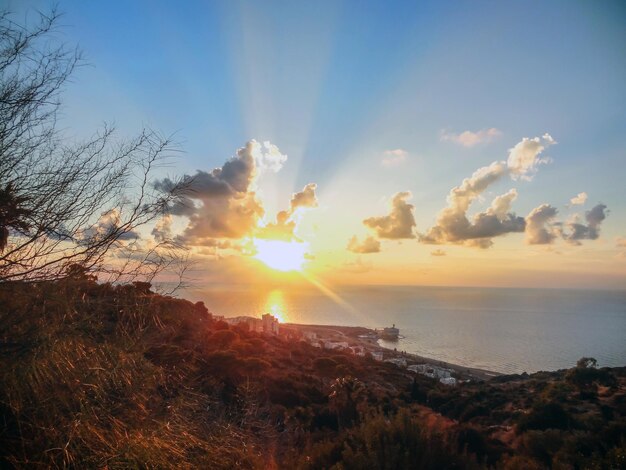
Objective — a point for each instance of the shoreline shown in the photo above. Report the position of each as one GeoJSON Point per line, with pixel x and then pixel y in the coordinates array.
{"type": "Point", "coordinates": [368, 340]}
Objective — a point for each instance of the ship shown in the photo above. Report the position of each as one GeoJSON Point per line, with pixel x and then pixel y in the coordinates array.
{"type": "Point", "coordinates": [390, 333]}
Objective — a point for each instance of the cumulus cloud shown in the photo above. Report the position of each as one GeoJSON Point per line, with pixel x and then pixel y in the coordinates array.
{"type": "Point", "coordinates": [162, 230]}
{"type": "Point", "coordinates": [525, 157]}
{"type": "Point", "coordinates": [267, 156]}
{"type": "Point", "coordinates": [539, 228]}
{"type": "Point", "coordinates": [107, 224]}
{"type": "Point", "coordinates": [589, 231]}
{"type": "Point", "coordinates": [282, 229]}
{"type": "Point", "coordinates": [438, 252]}
{"type": "Point", "coordinates": [394, 157]}
{"type": "Point", "coordinates": [453, 225]}
{"type": "Point", "coordinates": [469, 138]}
{"type": "Point", "coordinates": [222, 203]}
{"type": "Point", "coordinates": [304, 198]}
{"type": "Point", "coordinates": [399, 223]}
{"type": "Point", "coordinates": [579, 199]}
{"type": "Point", "coordinates": [285, 225]}
{"type": "Point", "coordinates": [368, 245]}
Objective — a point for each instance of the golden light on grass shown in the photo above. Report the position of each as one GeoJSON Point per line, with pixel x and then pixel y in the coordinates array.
{"type": "Point", "coordinates": [281, 255]}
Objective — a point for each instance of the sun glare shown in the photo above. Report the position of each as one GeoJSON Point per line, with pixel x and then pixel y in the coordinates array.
{"type": "Point", "coordinates": [281, 255]}
{"type": "Point", "coordinates": [275, 304]}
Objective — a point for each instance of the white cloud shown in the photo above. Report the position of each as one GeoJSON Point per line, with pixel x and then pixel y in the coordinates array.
{"type": "Point", "coordinates": [453, 225]}
{"type": "Point", "coordinates": [579, 199]}
{"type": "Point", "coordinates": [394, 157]}
{"type": "Point", "coordinates": [539, 230]}
{"type": "Point", "coordinates": [526, 156]}
{"type": "Point", "coordinates": [469, 138]}
{"type": "Point", "coordinates": [267, 156]}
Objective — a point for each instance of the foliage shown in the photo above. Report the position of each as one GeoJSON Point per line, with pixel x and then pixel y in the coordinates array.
{"type": "Point", "coordinates": [100, 375]}
{"type": "Point", "coordinates": [64, 203]}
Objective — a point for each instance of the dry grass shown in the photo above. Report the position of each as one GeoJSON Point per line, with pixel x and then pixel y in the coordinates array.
{"type": "Point", "coordinates": [79, 392]}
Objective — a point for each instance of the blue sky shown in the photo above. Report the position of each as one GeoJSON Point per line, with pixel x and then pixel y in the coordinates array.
{"type": "Point", "coordinates": [335, 84]}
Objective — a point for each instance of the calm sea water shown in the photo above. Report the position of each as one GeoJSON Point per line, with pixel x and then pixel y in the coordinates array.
{"type": "Point", "coordinates": [505, 330]}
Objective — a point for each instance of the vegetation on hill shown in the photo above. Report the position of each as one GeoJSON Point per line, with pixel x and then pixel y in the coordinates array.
{"type": "Point", "coordinates": [114, 376]}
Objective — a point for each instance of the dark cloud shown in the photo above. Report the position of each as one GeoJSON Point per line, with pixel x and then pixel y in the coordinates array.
{"type": "Point", "coordinates": [590, 231]}
{"type": "Point", "coordinates": [222, 203]}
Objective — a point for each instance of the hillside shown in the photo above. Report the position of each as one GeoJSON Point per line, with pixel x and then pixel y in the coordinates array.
{"type": "Point", "coordinates": [101, 376]}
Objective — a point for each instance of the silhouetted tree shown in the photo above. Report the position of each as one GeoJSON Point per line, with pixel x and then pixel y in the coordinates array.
{"type": "Point", "coordinates": [60, 203]}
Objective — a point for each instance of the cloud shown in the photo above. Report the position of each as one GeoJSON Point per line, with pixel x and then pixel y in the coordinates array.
{"type": "Point", "coordinates": [163, 229]}
{"type": "Point", "coordinates": [399, 223]}
{"type": "Point", "coordinates": [284, 227]}
{"type": "Point", "coordinates": [394, 157]}
{"type": "Point", "coordinates": [579, 199]}
{"type": "Point", "coordinates": [438, 252]}
{"type": "Point", "coordinates": [525, 157]}
{"type": "Point", "coordinates": [108, 224]}
{"type": "Point", "coordinates": [539, 230]}
{"type": "Point", "coordinates": [304, 198]}
{"type": "Point", "coordinates": [620, 242]}
{"type": "Point", "coordinates": [368, 245]}
{"type": "Point", "coordinates": [590, 231]}
{"type": "Point", "coordinates": [453, 225]}
{"type": "Point", "coordinates": [469, 138]}
{"type": "Point", "coordinates": [222, 203]}
{"type": "Point", "coordinates": [267, 156]}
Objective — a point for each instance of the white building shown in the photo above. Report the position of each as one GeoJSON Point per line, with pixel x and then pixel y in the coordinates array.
{"type": "Point", "coordinates": [335, 345]}
{"type": "Point", "coordinates": [431, 371]}
{"type": "Point", "coordinates": [419, 368]}
{"type": "Point", "coordinates": [397, 361]}
{"type": "Point", "coordinates": [378, 355]}
{"type": "Point", "coordinates": [448, 381]}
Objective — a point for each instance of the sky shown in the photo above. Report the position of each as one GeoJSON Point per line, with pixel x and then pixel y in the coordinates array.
{"type": "Point", "coordinates": [474, 143]}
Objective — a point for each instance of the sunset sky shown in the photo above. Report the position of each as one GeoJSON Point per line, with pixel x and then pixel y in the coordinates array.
{"type": "Point", "coordinates": [431, 143]}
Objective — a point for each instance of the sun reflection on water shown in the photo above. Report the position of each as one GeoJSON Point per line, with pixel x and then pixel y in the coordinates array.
{"type": "Point", "coordinates": [275, 304]}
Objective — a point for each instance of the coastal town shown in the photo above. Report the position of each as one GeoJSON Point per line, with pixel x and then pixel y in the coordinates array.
{"type": "Point", "coordinates": [361, 341]}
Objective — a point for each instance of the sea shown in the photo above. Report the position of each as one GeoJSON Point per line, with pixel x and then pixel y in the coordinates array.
{"type": "Point", "coordinates": [498, 329]}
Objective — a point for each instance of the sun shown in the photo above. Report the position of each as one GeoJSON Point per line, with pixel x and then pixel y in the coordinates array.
{"type": "Point", "coordinates": [281, 255]}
